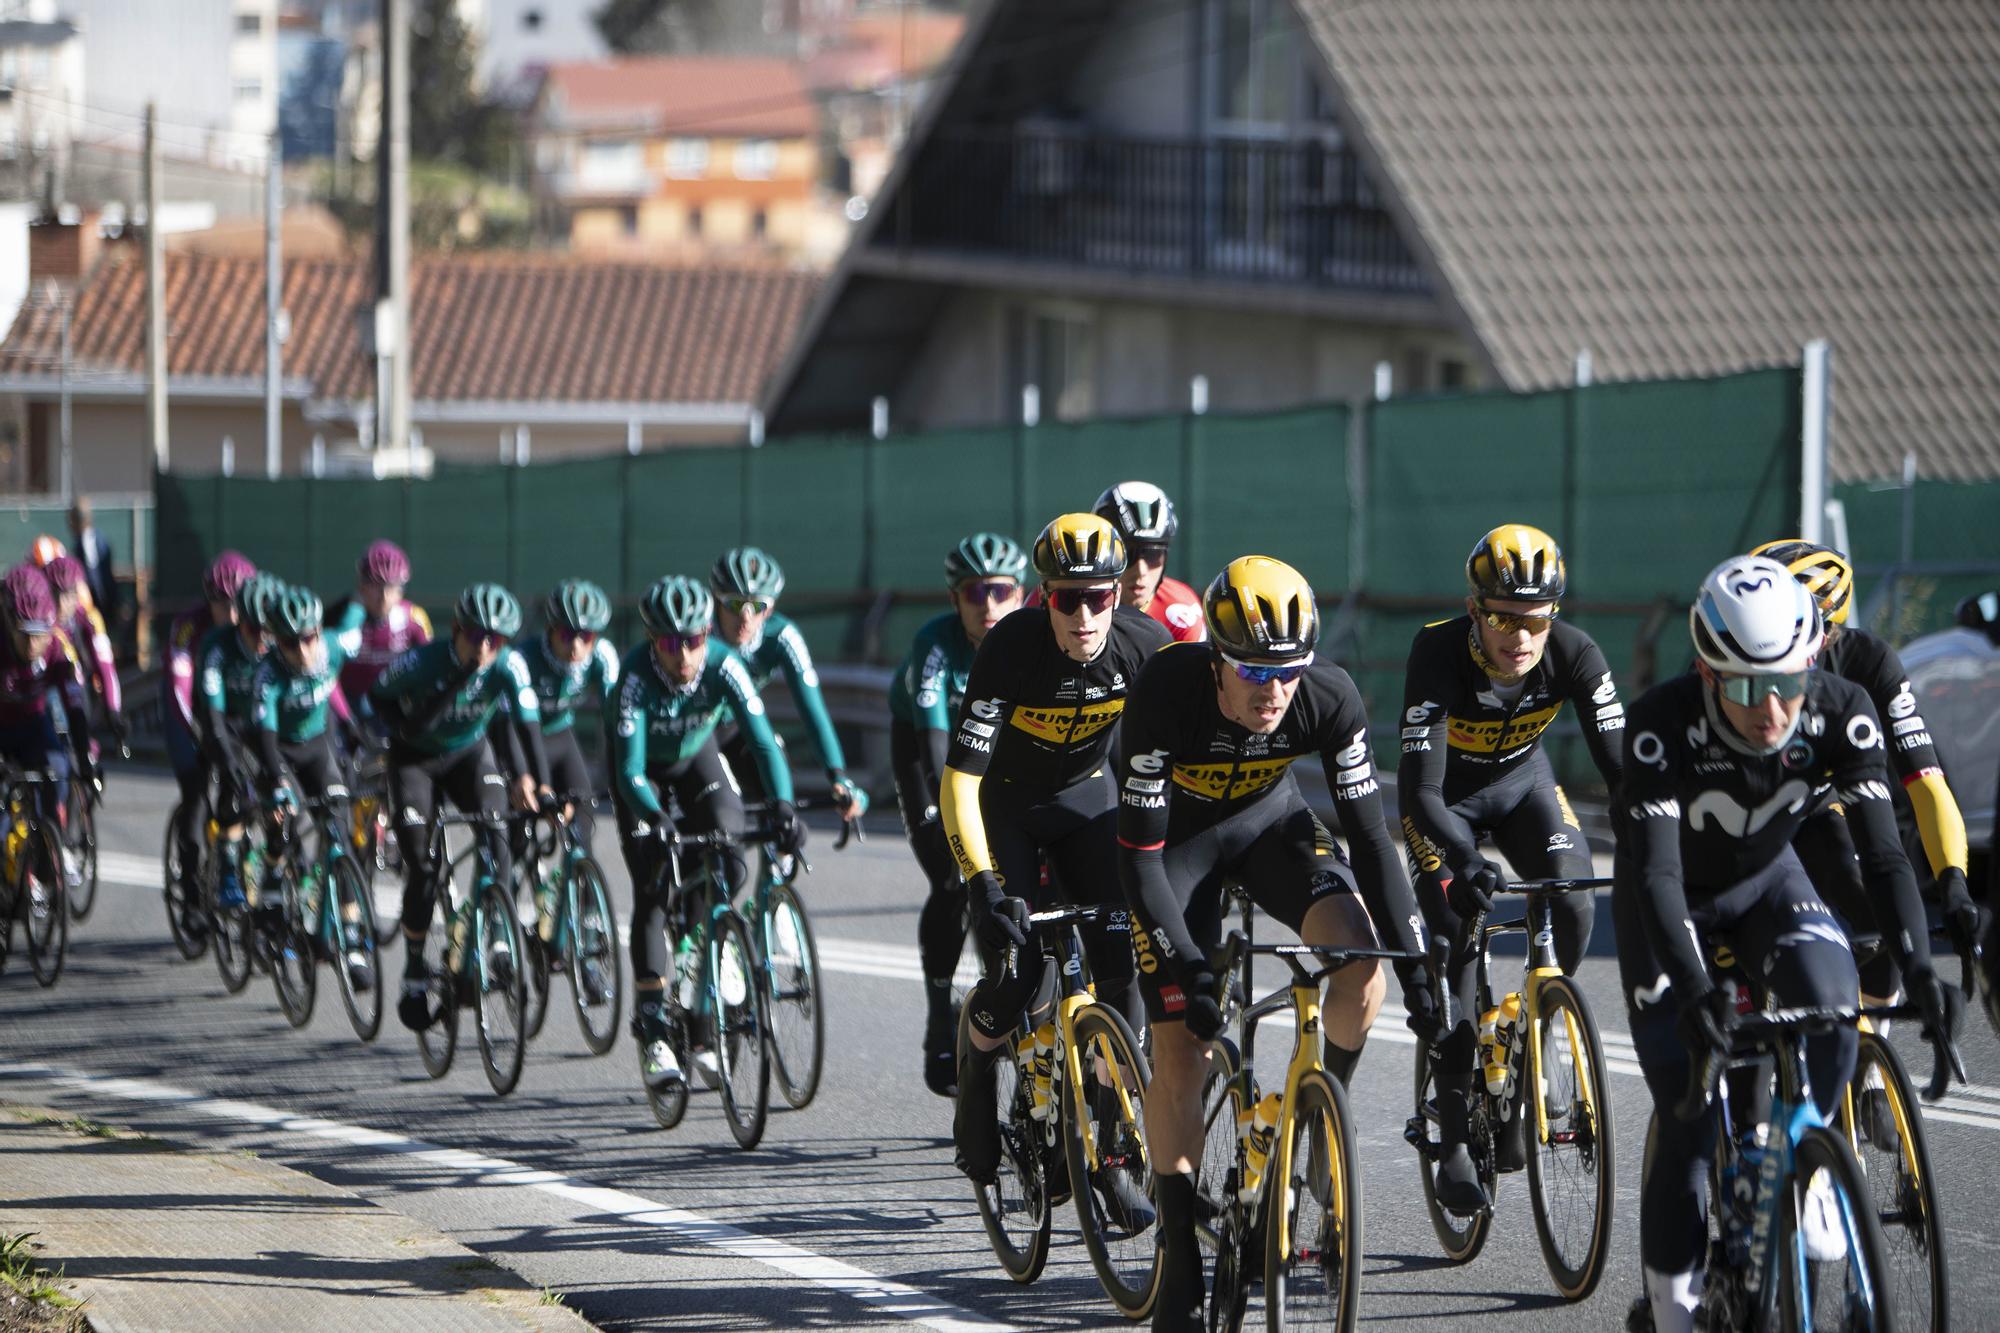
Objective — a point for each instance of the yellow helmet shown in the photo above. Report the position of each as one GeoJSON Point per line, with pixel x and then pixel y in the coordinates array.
{"type": "Point", "coordinates": [1516, 563]}
{"type": "Point", "coordinates": [1261, 610]}
{"type": "Point", "coordinates": [1824, 571]}
{"type": "Point", "coordinates": [1079, 546]}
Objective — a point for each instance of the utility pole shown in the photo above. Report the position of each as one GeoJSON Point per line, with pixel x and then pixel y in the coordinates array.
{"type": "Point", "coordinates": [392, 232]}
{"type": "Point", "coordinates": [156, 302]}
{"type": "Point", "coordinates": [274, 313]}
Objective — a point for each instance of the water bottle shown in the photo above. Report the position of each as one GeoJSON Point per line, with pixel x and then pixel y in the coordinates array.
{"type": "Point", "coordinates": [1508, 1034]}
{"type": "Point", "coordinates": [16, 837]}
{"type": "Point", "coordinates": [461, 925]}
{"type": "Point", "coordinates": [1045, 1068]}
{"type": "Point", "coordinates": [1254, 1127]}
{"type": "Point", "coordinates": [684, 970]}
{"type": "Point", "coordinates": [545, 907]}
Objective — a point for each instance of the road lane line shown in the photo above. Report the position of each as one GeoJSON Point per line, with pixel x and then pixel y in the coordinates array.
{"type": "Point", "coordinates": [879, 1294]}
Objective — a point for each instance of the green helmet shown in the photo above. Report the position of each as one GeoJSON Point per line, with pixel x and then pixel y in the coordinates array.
{"type": "Point", "coordinates": [255, 599]}
{"type": "Point", "coordinates": [578, 605]}
{"type": "Point", "coordinates": [985, 555]}
{"type": "Point", "coordinates": [295, 613]}
{"type": "Point", "coordinates": [676, 605]}
{"type": "Point", "coordinates": [490, 609]}
{"type": "Point", "coordinates": [745, 571]}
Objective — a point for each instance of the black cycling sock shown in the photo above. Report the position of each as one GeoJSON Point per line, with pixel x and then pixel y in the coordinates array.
{"type": "Point", "coordinates": [938, 995]}
{"type": "Point", "coordinates": [1181, 1298]}
{"type": "Point", "coordinates": [1339, 1061]}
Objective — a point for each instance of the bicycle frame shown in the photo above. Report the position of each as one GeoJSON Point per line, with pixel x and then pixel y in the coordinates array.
{"type": "Point", "coordinates": [1073, 995]}
{"type": "Point", "coordinates": [1538, 925]}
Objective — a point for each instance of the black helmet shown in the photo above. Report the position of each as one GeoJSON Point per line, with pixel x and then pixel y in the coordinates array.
{"type": "Point", "coordinates": [578, 605]}
{"type": "Point", "coordinates": [1516, 563]}
{"type": "Point", "coordinates": [985, 555]}
{"type": "Point", "coordinates": [1141, 512]}
{"type": "Point", "coordinates": [676, 605]}
{"type": "Point", "coordinates": [490, 609]}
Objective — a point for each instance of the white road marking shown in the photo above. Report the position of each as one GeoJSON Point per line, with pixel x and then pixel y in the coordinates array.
{"type": "Point", "coordinates": [879, 1294]}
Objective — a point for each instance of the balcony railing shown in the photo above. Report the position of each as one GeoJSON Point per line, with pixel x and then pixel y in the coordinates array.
{"type": "Point", "coordinates": [1236, 209]}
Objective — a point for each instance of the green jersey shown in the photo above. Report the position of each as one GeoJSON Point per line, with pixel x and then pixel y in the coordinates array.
{"type": "Point", "coordinates": [560, 686]}
{"type": "Point", "coordinates": [295, 704]}
{"type": "Point", "coordinates": [227, 675]}
{"type": "Point", "coordinates": [435, 706]}
{"type": "Point", "coordinates": [930, 685]}
{"type": "Point", "coordinates": [781, 650]}
{"type": "Point", "coordinates": [661, 723]}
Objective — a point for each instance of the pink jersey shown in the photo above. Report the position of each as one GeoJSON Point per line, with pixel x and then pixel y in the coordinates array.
{"type": "Point", "coordinates": [25, 686]}
{"type": "Point", "coordinates": [86, 630]}
{"type": "Point", "coordinates": [177, 681]}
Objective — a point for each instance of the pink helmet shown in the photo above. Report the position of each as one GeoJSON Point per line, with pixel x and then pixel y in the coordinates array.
{"type": "Point", "coordinates": [229, 571]}
{"type": "Point", "coordinates": [384, 563]}
{"type": "Point", "coordinates": [65, 573]}
{"type": "Point", "coordinates": [29, 603]}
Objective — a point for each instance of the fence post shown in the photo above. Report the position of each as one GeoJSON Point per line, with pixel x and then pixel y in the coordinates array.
{"type": "Point", "coordinates": [1360, 441]}
{"type": "Point", "coordinates": [1817, 390]}
{"type": "Point", "coordinates": [1183, 547]}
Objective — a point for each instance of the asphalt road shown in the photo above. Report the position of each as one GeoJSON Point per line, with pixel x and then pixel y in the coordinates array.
{"type": "Point", "coordinates": [848, 1215]}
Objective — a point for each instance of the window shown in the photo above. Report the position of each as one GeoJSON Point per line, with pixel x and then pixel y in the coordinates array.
{"type": "Point", "coordinates": [249, 25]}
{"type": "Point", "coordinates": [1257, 76]}
{"type": "Point", "coordinates": [1452, 374]}
{"type": "Point", "coordinates": [687, 159]}
{"type": "Point", "coordinates": [611, 164]}
{"type": "Point", "coordinates": [1059, 358]}
{"type": "Point", "coordinates": [628, 219]}
{"type": "Point", "coordinates": [248, 90]}
{"type": "Point", "coordinates": [756, 160]}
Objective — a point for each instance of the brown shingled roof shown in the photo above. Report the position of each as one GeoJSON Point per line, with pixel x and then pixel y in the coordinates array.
{"type": "Point", "coordinates": [1693, 186]}
{"type": "Point", "coordinates": [706, 96]}
{"type": "Point", "coordinates": [485, 329]}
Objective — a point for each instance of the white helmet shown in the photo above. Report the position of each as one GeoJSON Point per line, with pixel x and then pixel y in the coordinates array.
{"type": "Point", "coordinates": [1752, 618]}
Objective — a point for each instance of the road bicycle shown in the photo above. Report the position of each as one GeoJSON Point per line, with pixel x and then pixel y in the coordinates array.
{"type": "Point", "coordinates": [474, 958]}
{"type": "Point", "coordinates": [575, 931]}
{"type": "Point", "coordinates": [327, 896]}
{"type": "Point", "coordinates": [1071, 1107]}
{"type": "Point", "coordinates": [1544, 1079]}
{"type": "Point", "coordinates": [31, 876]}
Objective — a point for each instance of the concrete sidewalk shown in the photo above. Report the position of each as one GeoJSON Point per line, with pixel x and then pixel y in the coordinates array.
{"type": "Point", "coordinates": [153, 1236]}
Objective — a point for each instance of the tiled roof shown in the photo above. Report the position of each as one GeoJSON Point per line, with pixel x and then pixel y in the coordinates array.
{"type": "Point", "coordinates": [708, 96]}
{"type": "Point", "coordinates": [484, 329]}
{"type": "Point", "coordinates": [1692, 186]}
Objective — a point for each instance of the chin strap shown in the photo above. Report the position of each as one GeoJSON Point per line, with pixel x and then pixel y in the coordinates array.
{"type": "Point", "coordinates": [1480, 660]}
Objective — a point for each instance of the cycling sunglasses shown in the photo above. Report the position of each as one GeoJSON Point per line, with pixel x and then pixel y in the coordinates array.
{"type": "Point", "coordinates": [586, 637]}
{"type": "Point", "coordinates": [1509, 622]}
{"type": "Point", "coordinates": [748, 606]}
{"type": "Point", "coordinates": [681, 643]}
{"type": "Point", "coordinates": [1264, 675]}
{"type": "Point", "coordinates": [1750, 691]}
{"type": "Point", "coordinates": [1070, 600]}
{"type": "Point", "coordinates": [999, 590]}
{"type": "Point", "coordinates": [306, 640]}
{"type": "Point", "coordinates": [486, 638]}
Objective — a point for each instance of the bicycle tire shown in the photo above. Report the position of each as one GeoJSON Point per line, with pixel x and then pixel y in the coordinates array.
{"type": "Point", "coordinates": [1822, 1151]}
{"type": "Point", "coordinates": [351, 906]}
{"type": "Point", "coordinates": [1587, 1131]}
{"type": "Point", "coordinates": [670, 1103]}
{"type": "Point", "coordinates": [1015, 1208]}
{"type": "Point", "coordinates": [1312, 1241]}
{"type": "Point", "coordinates": [1119, 1240]}
{"type": "Point", "coordinates": [192, 945]}
{"type": "Point", "coordinates": [82, 833]}
{"type": "Point", "coordinates": [1895, 1159]}
{"type": "Point", "coordinates": [790, 968]}
{"type": "Point", "coordinates": [437, 1044]}
{"type": "Point", "coordinates": [1226, 1094]}
{"type": "Point", "coordinates": [376, 855]}
{"type": "Point", "coordinates": [39, 898]}
{"type": "Point", "coordinates": [229, 926]}
{"type": "Point", "coordinates": [1461, 1238]}
{"type": "Point", "coordinates": [499, 988]}
{"type": "Point", "coordinates": [592, 926]}
{"type": "Point", "coordinates": [741, 1033]}
{"type": "Point", "coordinates": [294, 968]}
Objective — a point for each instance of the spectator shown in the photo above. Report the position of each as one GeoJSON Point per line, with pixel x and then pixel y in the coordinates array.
{"type": "Point", "coordinates": [89, 546]}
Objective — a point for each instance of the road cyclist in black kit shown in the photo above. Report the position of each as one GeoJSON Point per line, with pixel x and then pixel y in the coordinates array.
{"type": "Point", "coordinates": [1479, 692]}
{"type": "Point", "coordinates": [1722, 765]}
{"type": "Point", "coordinates": [1027, 776]}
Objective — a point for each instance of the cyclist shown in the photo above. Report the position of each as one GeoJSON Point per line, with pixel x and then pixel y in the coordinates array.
{"type": "Point", "coordinates": [1479, 691]}
{"type": "Point", "coordinates": [674, 689]}
{"type": "Point", "coordinates": [1720, 770]}
{"type": "Point", "coordinates": [983, 573]}
{"type": "Point", "coordinates": [1206, 795]}
{"type": "Point", "coordinates": [388, 625]}
{"type": "Point", "coordinates": [1026, 778]}
{"type": "Point", "coordinates": [40, 682]}
{"type": "Point", "coordinates": [1923, 800]}
{"type": "Point", "coordinates": [1145, 518]}
{"type": "Point", "coordinates": [567, 660]}
{"type": "Point", "coordinates": [294, 696]}
{"type": "Point", "coordinates": [746, 583]}
{"type": "Point", "coordinates": [227, 573]}
{"type": "Point", "coordinates": [80, 620]}
{"type": "Point", "coordinates": [229, 656]}
{"type": "Point", "coordinates": [437, 700]}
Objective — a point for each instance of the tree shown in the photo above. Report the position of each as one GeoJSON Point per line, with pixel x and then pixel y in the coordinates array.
{"type": "Point", "coordinates": [449, 121]}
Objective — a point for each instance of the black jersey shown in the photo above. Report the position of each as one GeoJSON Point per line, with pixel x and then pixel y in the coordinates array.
{"type": "Point", "coordinates": [1183, 766]}
{"type": "Point", "coordinates": [1703, 814]}
{"type": "Point", "coordinates": [1869, 661]}
{"type": "Point", "coordinates": [1034, 715]}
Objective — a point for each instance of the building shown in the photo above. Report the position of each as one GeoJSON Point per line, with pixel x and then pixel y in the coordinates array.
{"type": "Point", "coordinates": [210, 66]}
{"type": "Point", "coordinates": [519, 40]}
{"type": "Point", "coordinates": [41, 66]}
{"type": "Point", "coordinates": [1104, 200]}
{"type": "Point", "coordinates": [680, 155]}
{"type": "Point", "coordinates": [515, 358]}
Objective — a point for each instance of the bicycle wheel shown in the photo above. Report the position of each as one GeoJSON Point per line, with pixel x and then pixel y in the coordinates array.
{"type": "Point", "coordinates": [1015, 1209]}
{"type": "Point", "coordinates": [1461, 1238]}
{"type": "Point", "coordinates": [791, 972]}
{"type": "Point", "coordinates": [380, 863]}
{"type": "Point", "coordinates": [1106, 1124]}
{"type": "Point", "coordinates": [1312, 1228]}
{"type": "Point", "coordinates": [294, 969]}
{"type": "Point", "coordinates": [192, 942]}
{"type": "Point", "coordinates": [39, 898]}
{"type": "Point", "coordinates": [353, 948]}
{"type": "Point", "coordinates": [534, 970]}
{"type": "Point", "coordinates": [80, 852]}
{"type": "Point", "coordinates": [670, 1103]}
{"type": "Point", "coordinates": [438, 1043]}
{"type": "Point", "coordinates": [232, 943]}
{"type": "Point", "coordinates": [1830, 1251]}
{"type": "Point", "coordinates": [1226, 1094]}
{"type": "Point", "coordinates": [1571, 1176]}
{"type": "Point", "coordinates": [1883, 1123]}
{"type": "Point", "coordinates": [499, 988]}
{"type": "Point", "coordinates": [596, 965]}
{"type": "Point", "coordinates": [741, 1036]}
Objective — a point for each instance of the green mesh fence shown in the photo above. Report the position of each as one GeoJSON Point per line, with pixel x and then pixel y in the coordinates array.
{"type": "Point", "coordinates": [1918, 554]}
